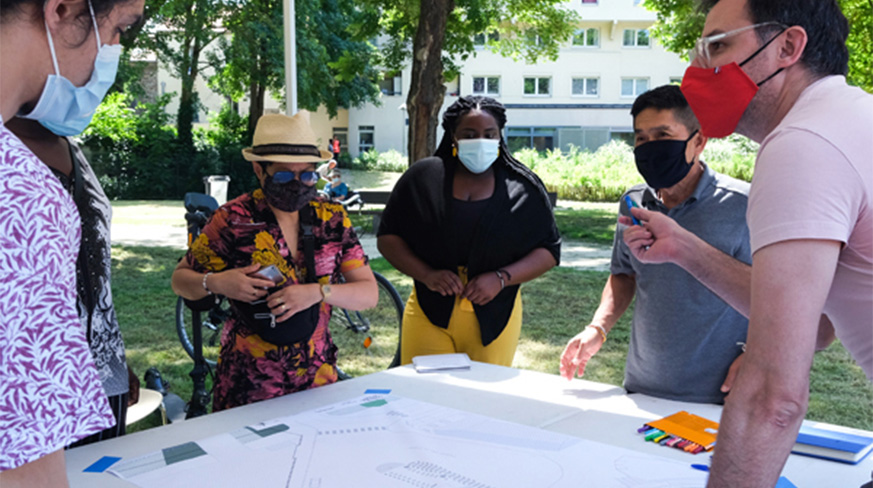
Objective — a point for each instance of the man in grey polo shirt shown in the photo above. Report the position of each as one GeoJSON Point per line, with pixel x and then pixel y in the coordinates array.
{"type": "Point", "coordinates": [684, 338]}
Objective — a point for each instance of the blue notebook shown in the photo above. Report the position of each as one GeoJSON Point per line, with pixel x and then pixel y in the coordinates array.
{"type": "Point", "coordinates": [823, 441]}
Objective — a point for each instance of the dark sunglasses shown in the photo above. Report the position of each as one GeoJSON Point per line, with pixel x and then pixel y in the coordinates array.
{"type": "Point", "coordinates": [308, 178]}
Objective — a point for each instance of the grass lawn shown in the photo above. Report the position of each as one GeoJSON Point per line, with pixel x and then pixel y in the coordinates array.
{"type": "Point", "coordinates": [146, 310]}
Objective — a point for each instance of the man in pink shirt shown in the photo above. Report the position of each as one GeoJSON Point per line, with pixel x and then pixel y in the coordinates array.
{"type": "Point", "coordinates": [774, 70]}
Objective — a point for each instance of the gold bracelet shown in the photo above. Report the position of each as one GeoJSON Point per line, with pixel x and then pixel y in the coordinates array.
{"type": "Point", "coordinates": [600, 329]}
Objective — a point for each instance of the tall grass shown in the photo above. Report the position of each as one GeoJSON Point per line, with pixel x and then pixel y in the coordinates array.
{"type": "Point", "coordinates": [605, 174]}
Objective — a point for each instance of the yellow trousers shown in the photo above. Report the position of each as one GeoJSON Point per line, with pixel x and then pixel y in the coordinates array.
{"type": "Point", "coordinates": [420, 337]}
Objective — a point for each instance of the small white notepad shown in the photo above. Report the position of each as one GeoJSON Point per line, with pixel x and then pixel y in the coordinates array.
{"type": "Point", "coordinates": [441, 362]}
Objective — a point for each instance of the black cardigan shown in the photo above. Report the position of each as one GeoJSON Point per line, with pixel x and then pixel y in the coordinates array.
{"type": "Point", "coordinates": [517, 220]}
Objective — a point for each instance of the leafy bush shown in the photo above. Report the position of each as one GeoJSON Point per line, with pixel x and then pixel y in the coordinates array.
{"type": "Point", "coordinates": [373, 160]}
{"type": "Point", "coordinates": [733, 156]}
{"type": "Point", "coordinates": [136, 153]}
{"type": "Point", "coordinates": [227, 137]}
{"type": "Point", "coordinates": [606, 173]}
{"type": "Point", "coordinates": [580, 175]}
{"type": "Point", "coordinates": [133, 154]}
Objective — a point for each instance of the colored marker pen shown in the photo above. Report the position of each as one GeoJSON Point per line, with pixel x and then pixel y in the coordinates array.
{"type": "Point", "coordinates": [630, 204]}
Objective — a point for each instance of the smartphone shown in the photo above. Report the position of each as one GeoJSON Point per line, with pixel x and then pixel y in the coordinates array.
{"type": "Point", "coordinates": [271, 273]}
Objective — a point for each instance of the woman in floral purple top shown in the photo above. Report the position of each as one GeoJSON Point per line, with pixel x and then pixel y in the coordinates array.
{"type": "Point", "coordinates": [262, 229]}
{"type": "Point", "coordinates": [59, 59]}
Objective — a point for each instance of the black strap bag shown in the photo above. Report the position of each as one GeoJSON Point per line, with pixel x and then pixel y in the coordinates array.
{"type": "Point", "coordinates": [299, 327]}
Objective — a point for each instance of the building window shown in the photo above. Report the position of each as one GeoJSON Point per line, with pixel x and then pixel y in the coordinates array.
{"type": "Point", "coordinates": [636, 38]}
{"type": "Point", "coordinates": [587, 37]}
{"type": "Point", "coordinates": [586, 87]}
{"type": "Point", "coordinates": [486, 85]}
{"type": "Point", "coordinates": [634, 87]}
{"type": "Point", "coordinates": [539, 138]}
{"type": "Point", "coordinates": [366, 136]}
{"type": "Point", "coordinates": [538, 86]}
{"type": "Point", "coordinates": [626, 137]}
{"type": "Point", "coordinates": [391, 84]}
{"type": "Point", "coordinates": [479, 39]}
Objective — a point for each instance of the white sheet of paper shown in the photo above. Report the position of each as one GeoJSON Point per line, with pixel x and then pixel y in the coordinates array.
{"type": "Point", "coordinates": [441, 362]}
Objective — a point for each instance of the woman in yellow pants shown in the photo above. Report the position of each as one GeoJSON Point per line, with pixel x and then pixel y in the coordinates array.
{"type": "Point", "coordinates": [469, 225]}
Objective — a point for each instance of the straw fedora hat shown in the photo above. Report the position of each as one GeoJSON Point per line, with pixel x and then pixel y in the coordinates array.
{"type": "Point", "coordinates": [282, 139]}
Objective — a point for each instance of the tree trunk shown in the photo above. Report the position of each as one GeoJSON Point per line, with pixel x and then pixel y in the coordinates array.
{"type": "Point", "coordinates": [188, 99]}
{"type": "Point", "coordinates": [425, 99]}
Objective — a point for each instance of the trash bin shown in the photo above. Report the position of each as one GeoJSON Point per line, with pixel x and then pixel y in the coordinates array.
{"type": "Point", "coordinates": [216, 187]}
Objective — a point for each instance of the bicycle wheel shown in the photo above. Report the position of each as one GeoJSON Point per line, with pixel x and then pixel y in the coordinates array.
{"type": "Point", "coordinates": [369, 340]}
{"type": "Point", "coordinates": [212, 323]}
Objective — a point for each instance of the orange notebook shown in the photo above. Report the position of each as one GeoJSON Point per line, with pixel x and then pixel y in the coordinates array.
{"type": "Point", "coordinates": [690, 427]}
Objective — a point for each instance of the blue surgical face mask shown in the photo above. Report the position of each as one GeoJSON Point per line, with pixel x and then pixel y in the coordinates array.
{"type": "Point", "coordinates": [66, 109]}
{"type": "Point", "coordinates": [477, 155]}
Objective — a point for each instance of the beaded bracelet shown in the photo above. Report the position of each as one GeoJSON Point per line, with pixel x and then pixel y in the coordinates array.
{"type": "Point", "coordinates": [208, 291]}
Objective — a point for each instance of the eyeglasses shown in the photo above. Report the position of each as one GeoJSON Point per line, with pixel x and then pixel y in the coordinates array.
{"type": "Point", "coordinates": [704, 48]}
{"type": "Point", "coordinates": [308, 178]}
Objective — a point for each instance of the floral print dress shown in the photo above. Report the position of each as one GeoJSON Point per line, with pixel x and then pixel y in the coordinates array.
{"type": "Point", "coordinates": [245, 231]}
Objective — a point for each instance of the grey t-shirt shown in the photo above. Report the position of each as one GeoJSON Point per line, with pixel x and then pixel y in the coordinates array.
{"type": "Point", "coordinates": [684, 337]}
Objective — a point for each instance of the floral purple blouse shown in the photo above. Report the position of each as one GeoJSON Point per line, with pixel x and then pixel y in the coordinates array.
{"type": "Point", "coordinates": [245, 231]}
{"type": "Point", "coordinates": [50, 393]}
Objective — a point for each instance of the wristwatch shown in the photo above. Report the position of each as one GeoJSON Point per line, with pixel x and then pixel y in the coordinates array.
{"type": "Point", "coordinates": [325, 292]}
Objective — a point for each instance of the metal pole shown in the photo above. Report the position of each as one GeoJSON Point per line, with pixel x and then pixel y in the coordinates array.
{"type": "Point", "coordinates": [290, 57]}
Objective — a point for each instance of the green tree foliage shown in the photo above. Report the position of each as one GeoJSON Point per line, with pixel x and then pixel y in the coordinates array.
{"type": "Point", "coordinates": [184, 29]}
{"type": "Point", "coordinates": [335, 67]}
{"type": "Point", "coordinates": [521, 29]}
{"type": "Point", "coordinates": [680, 23]}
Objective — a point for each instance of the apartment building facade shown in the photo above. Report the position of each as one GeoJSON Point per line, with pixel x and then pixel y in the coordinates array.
{"type": "Point", "coordinates": [581, 99]}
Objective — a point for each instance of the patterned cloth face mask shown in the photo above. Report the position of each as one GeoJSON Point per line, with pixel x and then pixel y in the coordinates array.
{"type": "Point", "coordinates": [66, 109]}
{"type": "Point", "coordinates": [288, 192]}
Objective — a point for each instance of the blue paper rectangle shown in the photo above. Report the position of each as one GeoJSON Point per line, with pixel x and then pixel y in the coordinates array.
{"type": "Point", "coordinates": [376, 391]}
{"type": "Point", "coordinates": [784, 483]}
{"type": "Point", "coordinates": [102, 464]}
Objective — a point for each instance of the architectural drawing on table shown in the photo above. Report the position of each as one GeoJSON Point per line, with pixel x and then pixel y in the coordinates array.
{"type": "Point", "coordinates": [388, 441]}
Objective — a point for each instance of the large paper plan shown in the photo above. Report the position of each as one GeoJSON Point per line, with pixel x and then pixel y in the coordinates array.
{"type": "Point", "coordinates": [388, 441]}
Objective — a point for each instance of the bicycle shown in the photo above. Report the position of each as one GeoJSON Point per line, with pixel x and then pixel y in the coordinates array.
{"type": "Point", "coordinates": [367, 340]}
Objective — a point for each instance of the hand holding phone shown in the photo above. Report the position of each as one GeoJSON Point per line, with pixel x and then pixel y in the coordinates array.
{"type": "Point", "coordinates": [271, 273]}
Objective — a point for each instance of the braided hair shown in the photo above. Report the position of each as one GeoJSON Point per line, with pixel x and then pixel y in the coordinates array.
{"type": "Point", "coordinates": [465, 105]}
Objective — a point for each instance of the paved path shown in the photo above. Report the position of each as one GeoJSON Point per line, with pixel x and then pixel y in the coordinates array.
{"type": "Point", "coordinates": [575, 254]}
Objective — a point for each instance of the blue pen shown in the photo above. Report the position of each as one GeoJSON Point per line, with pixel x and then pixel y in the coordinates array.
{"type": "Point", "coordinates": [630, 204]}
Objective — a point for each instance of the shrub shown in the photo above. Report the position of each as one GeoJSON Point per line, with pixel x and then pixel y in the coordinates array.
{"type": "Point", "coordinates": [133, 154]}
{"type": "Point", "coordinates": [606, 173]}
{"type": "Point", "coordinates": [227, 136]}
{"type": "Point", "coordinates": [373, 160]}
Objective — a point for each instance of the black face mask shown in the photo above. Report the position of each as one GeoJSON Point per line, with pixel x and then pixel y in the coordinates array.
{"type": "Point", "coordinates": [288, 197]}
{"type": "Point", "coordinates": [662, 163]}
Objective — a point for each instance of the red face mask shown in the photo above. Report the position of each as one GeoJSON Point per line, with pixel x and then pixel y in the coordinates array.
{"type": "Point", "coordinates": [719, 96]}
